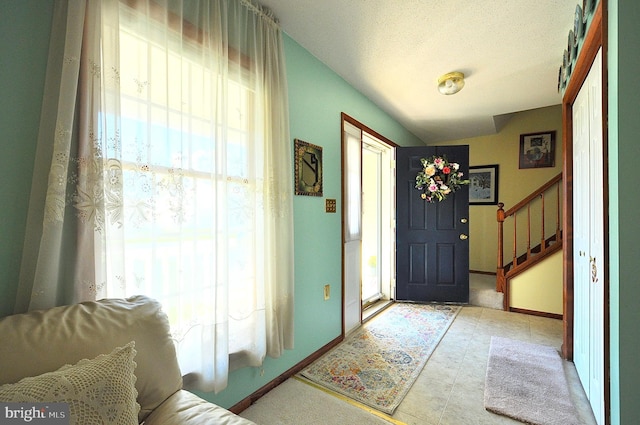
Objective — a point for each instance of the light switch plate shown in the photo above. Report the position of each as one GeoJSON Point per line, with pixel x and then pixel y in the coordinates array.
{"type": "Point", "coordinates": [330, 205]}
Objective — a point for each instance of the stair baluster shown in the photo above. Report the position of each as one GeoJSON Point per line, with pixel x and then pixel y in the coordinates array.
{"type": "Point", "coordinates": [532, 255]}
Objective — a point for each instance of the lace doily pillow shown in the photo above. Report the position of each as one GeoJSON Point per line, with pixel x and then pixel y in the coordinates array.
{"type": "Point", "coordinates": [98, 391]}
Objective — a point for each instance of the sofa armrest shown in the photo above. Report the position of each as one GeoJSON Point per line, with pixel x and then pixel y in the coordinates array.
{"type": "Point", "coordinates": [185, 408]}
{"type": "Point", "coordinates": [42, 341]}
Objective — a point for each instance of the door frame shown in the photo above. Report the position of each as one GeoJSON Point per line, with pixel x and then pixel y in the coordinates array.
{"type": "Point", "coordinates": [594, 40]}
{"type": "Point", "coordinates": [363, 128]}
{"type": "Point", "coordinates": [385, 233]}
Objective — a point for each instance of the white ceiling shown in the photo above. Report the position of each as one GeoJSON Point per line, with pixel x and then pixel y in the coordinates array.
{"type": "Point", "coordinates": [393, 51]}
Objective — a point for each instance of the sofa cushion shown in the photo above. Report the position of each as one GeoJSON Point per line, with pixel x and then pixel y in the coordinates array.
{"type": "Point", "coordinates": [42, 341]}
{"type": "Point", "coordinates": [98, 391]}
{"type": "Point", "coordinates": [185, 408]}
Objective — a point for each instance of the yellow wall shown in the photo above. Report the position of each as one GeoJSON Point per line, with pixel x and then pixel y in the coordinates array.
{"type": "Point", "coordinates": [540, 287]}
{"type": "Point", "coordinates": [513, 184]}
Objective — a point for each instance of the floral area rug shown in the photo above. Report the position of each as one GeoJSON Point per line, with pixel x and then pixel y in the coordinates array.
{"type": "Point", "coordinates": [377, 364]}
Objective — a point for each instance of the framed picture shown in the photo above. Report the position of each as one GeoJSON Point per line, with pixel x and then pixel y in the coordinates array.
{"type": "Point", "coordinates": [538, 150]}
{"type": "Point", "coordinates": [308, 168]}
{"type": "Point", "coordinates": [483, 185]}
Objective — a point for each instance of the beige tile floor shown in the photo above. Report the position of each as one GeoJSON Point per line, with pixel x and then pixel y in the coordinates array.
{"type": "Point", "coordinates": [450, 389]}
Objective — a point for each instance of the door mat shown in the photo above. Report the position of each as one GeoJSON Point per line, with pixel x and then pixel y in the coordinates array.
{"type": "Point", "coordinates": [526, 382]}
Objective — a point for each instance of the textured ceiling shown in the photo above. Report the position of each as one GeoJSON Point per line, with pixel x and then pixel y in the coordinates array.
{"type": "Point", "coordinates": [393, 51]}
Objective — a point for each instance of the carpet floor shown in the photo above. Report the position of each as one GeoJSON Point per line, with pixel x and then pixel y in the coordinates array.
{"type": "Point", "coordinates": [300, 403]}
{"type": "Point", "coordinates": [377, 364]}
{"type": "Point", "coordinates": [526, 382]}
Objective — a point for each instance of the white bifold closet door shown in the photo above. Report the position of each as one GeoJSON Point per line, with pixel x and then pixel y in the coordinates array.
{"type": "Point", "coordinates": [588, 226]}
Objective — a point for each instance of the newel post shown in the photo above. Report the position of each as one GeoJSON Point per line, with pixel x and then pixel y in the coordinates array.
{"type": "Point", "coordinates": [500, 281]}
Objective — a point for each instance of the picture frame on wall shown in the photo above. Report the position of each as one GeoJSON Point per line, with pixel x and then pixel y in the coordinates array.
{"type": "Point", "coordinates": [483, 184]}
{"type": "Point", "coordinates": [308, 168]}
{"type": "Point", "coordinates": [537, 150]}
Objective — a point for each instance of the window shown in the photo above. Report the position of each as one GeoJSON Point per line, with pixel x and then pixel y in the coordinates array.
{"type": "Point", "coordinates": [192, 138]}
{"type": "Point", "coordinates": [177, 164]}
{"type": "Point", "coordinates": [159, 170]}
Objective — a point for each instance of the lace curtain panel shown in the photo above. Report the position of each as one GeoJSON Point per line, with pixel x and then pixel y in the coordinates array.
{"type": "Point", "coordinates": [163, 168]}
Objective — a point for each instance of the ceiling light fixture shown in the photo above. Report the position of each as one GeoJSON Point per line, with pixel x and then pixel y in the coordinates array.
{"type": "Point", "coordinates": [451, 83]}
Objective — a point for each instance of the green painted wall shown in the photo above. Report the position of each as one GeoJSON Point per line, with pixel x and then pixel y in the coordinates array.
{"type": "Point", "coordinates": [624, 204]}
{"type": "Point", "coordinates": [24, 43]}
{"type": "Point", "coordinates": [614, 208]}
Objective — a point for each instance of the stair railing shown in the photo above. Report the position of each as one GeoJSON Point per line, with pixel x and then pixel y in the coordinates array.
{"type": "Point", "coordinates": [534, 203]}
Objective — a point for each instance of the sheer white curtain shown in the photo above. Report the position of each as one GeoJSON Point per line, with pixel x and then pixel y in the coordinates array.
{"type": "Point", "coordinates": [352, 151]}
{"type": "Point", "coordinates": [181, 177]}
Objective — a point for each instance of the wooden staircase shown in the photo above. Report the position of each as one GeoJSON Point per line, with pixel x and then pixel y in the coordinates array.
{"type": "Point", "coordinates": [538, 214]}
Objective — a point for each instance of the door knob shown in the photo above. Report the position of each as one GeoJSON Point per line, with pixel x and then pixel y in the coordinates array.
{"type": "Point", "coordinates": [463, 236]}
{"type": "Point", "coordinates": [463, 220]}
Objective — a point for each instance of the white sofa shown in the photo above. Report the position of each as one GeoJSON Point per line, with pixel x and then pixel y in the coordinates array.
{"type": "Point", "coordinates": [35, 345]}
